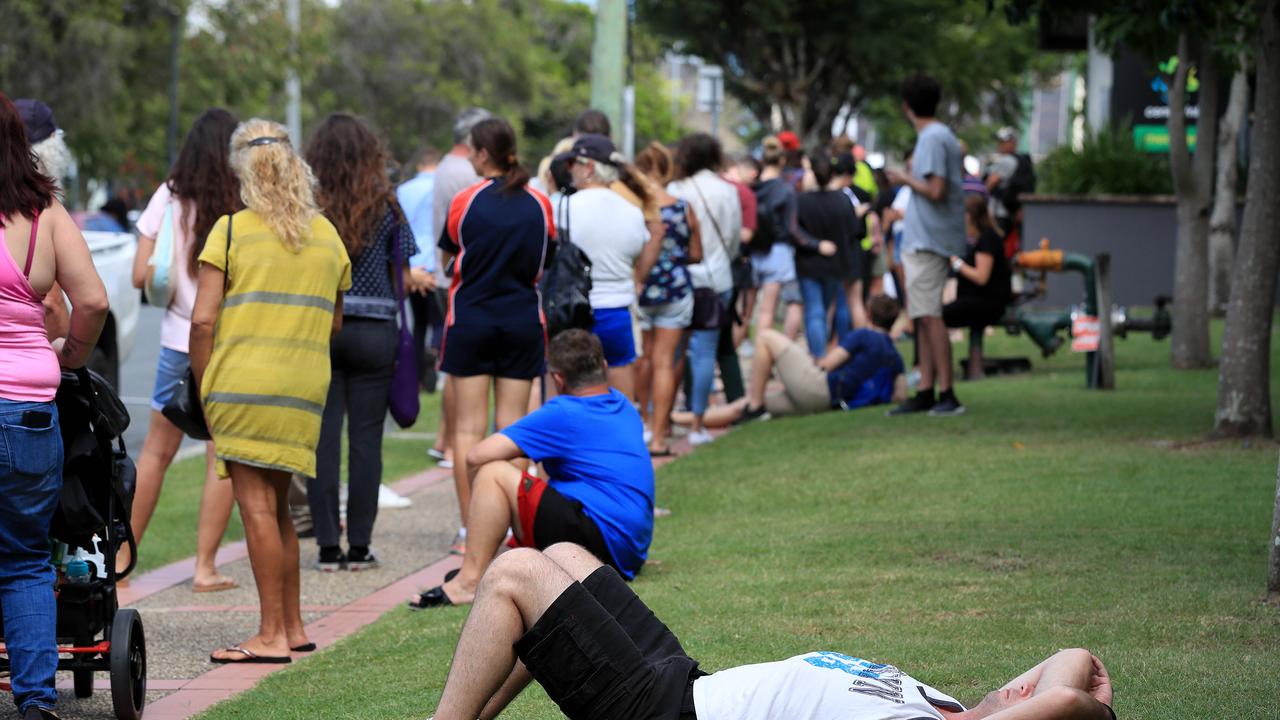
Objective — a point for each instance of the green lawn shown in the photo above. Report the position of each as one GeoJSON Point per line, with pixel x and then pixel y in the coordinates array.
{"type": "Point", "coordinates": [962, 549]}
{"type": "Point", "coordinates": [171, 535]}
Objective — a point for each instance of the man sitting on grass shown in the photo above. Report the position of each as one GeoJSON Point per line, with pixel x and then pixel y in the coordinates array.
{"type": "Point", "coordinates": [863, 369]}
{"type": "Point", "coordinates": [563, 619]}
{"type": "Point", "coordinates": [590, 441]}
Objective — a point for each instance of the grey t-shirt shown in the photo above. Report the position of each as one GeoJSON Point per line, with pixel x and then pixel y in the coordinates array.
{"type": "Point", "coordinates": [453, 175]}
{"type": "Point", "coordinates": [936, 227]}
{"type": "Point", "coordinates": [1002, 166]}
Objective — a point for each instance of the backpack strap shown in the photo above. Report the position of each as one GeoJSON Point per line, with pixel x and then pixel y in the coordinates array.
{"type": "Point", "coordinates": [31, 245]}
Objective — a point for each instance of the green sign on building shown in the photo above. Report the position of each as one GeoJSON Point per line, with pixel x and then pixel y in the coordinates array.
{"type": "Point", "coordinates": [1155, 138]}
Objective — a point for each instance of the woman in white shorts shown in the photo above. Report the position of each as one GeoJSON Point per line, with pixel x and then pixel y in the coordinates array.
{"type": "Point", "coordinates": [666, 300]}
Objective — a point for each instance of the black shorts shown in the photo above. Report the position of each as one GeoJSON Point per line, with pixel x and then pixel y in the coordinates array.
{"type": "Point", "coordinates": [599, 652]}
{"type": "Point", "coordinates": [477, 346]}
{"type": "Point", "coordinates": [547, 518]}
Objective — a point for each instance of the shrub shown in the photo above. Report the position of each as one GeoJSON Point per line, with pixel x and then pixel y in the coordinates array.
{"type": "Point", "coordinates": [1109, 163]}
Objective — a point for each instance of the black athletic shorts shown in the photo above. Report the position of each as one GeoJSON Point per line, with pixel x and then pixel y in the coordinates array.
{"type": "Point", "coordinates": [547, 518]}
{"type": "Point", "coordinates": [599, 652]}
{"type": "Point", "coordinates": [484, 346]}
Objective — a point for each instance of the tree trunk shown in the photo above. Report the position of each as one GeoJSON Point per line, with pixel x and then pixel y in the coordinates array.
{"type": "Point", "coordinates": [1273, 559]}
{"type": "Point", "coordinates": [1222, 221]}
{"type": "Point", "coordinates": [1192, 183]}
{"type": "Point", "coordinates": [1244, 389]}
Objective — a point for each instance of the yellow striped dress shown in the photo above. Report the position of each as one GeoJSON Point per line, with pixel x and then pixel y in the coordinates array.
{"type": "Point", "coordinates": [265, 387]}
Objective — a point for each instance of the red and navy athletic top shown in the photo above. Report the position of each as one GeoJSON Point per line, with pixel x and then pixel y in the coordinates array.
{"type": "Point", "coordinates": [500, 241]}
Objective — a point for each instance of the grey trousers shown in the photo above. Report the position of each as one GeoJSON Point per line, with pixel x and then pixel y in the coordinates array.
{"type": "Point", "coordinates": [363, 357]}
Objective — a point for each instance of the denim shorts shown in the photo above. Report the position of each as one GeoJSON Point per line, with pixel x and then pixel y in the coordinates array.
{"type": "Point", "coordinates": [675, 315]}
{"type": "Point", "coordinates": [776, 266]}
{"type": "Point", "coordinates": [613, 327]}
{"type": "Point", "coordinates": [170, 371]}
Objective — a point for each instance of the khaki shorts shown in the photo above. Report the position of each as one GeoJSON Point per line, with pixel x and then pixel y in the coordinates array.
{"type": "Point", "coordinates": [926, 276]}
{"type": "Point", "coordinates": [805, 389]}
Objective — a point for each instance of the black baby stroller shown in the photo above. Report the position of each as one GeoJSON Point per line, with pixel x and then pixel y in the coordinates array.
{"type": "Point", "coordinates": [94, 634]}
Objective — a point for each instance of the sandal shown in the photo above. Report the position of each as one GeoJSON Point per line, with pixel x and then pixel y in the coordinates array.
{"type": "Point", "coordinates": [666, 452]}
{"type": "Point", "coordinates": [250, 658]}
{"type": "Point", "coordinates": [305, 647]}
{"type": "Point", "coordinates": [223, 583]}
{"type": "Point", "coordinates": [435, 597]}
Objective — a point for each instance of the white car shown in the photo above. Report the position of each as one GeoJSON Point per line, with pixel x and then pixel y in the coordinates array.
{"type": "Point", "coordinates": [113, 257]}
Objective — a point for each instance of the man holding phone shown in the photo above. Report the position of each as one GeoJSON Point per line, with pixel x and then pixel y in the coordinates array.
{"type": "Point", "coordinates": [933, 231]}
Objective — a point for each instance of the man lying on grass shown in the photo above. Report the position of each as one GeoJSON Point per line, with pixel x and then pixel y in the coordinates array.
{"type": "Point", "coordinates": [599, 494]}
{"type": "Point", "coordinates": [565, 620]}
{"type": "Point", "coordinates": [864, 368]}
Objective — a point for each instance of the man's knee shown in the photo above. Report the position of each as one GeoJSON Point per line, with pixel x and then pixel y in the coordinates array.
{"type": "Point", "coordinates": [514, 570]}
{"type": "Point", "coordinates": [498, 471]}
{"type": "Point", "coordinates": [574, 559]}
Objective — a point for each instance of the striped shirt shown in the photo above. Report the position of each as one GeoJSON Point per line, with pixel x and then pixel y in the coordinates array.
{"type": "Point", "coordinates": [267, 380]}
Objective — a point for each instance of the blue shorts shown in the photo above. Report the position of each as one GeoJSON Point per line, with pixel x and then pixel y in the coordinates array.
{"type": "Point", "coordinates": [170, 371]}
{"type": "Point", "coordinates": [613, 327]}
{"type": "Point", "coordinates": [776, 266]}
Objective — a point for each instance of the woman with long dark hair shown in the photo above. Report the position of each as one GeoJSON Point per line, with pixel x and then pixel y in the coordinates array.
{"type": "Point", "coordinates": [355, 193]}
{"type": "Point", "coordinates": [983, 287]}
{"type": "Point", "coordinates": [200, 189]}
{"type": "Point", "coordinates": [271, 282]}
{"type": "Point", "coordinates": [39, 244]}
{"type": "Point", "coordinates": [496, 237]}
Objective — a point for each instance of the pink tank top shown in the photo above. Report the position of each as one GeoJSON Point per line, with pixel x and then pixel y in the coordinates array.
{"type": "Point", "coordinates": [29, 370]}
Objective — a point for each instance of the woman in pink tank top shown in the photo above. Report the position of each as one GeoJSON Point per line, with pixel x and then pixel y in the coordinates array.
{"type": "Point", "coordinates": [39, 245]}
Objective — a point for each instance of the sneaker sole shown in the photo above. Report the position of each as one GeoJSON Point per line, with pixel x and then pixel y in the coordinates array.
{"type": "Point", "coordinates": [357, 567]}
{"type": "Point", "coordinates": [329, 567]}
{"type": "Point", "coordinates": [947, 413]}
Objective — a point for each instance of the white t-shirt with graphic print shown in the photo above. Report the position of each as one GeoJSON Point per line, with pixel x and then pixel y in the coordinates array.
{"type": "Point", "coordinates": [818, 686]}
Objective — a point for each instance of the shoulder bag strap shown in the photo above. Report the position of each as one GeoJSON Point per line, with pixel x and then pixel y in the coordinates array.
{"type": "Point", "coordinates": [31, 245]}
{"type": "Point", "coordinates": [719, 235]}
{"type": "Point", "coordinates": [397, 271]}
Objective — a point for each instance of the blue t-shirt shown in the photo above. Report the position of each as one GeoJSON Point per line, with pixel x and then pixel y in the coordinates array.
{"type": "Point", "coordinates": [866, 378]}
{"type": "Point", "coordinates": [593, 449]}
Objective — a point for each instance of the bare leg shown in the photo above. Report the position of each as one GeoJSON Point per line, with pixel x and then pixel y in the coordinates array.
{"type": "Point", "coordinates": [857, 309]}
{"type": "Point", "coordinates": [260, 493]}
{"type": "Point", "coordinates": [470, 420]}
{"type": "Point", "coordinates": [444, 437]}
{"type": "Point", "coordinates": [294, 629]}
{"type": "Point", "coordinates": [215, 511]}
{"type": "Point", "coordinates": [768, 295]}
{"type": "Point", "coordinates": [935, 353]}
{"type": "Point", "coordinates": [663, 357]}
{"type": "Point", "coordinates": [493, 509]}
{"type": "Point", "coordinates": [624, 380]}
{"type": "Point", "coordinates": [748, 307]}
{"type": "Point", "coordinates": [644, 377]}
{"type": "Point", "coordinates": [163, 440]}
{"type": "Point", "coordinates": [794, 322]}
{"type": "Point", "coordinates": [518, 589]}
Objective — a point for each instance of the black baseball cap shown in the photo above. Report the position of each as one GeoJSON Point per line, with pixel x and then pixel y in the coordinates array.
{"type": "Point", "coordinates": [38, 119]}
{"type": "Point", "coordinates": [592, 147]}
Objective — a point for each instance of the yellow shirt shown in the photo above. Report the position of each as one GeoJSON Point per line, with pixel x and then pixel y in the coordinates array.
{"type": "Point", "coordinates": [265, 387]}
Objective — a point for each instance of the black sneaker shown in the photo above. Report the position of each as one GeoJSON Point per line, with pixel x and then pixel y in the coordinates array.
{"type": "Point", "coordinates": [331, 559]}
{"type": "Point", "coordinates": [361, 558]}
{"type": "Point", "coordinates": [947, 405]}
{"type": "Point", "coordinates": [920, 402]}
{"type": "Point", "coordinates": [751, 413]}
{"type": "Point", "coordinates": [39, 713]}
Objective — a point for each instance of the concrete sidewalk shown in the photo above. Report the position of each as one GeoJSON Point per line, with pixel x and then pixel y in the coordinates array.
{"type": "Point", "coordinates": [182, 627]}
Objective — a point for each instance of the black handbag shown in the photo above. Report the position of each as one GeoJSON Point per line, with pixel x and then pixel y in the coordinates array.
{"type": "Point", "coordinates": [566, 284]}
{"type": "Point", "coordinates": [184, 409]}
{"type": "Point", "coordinates": [708, 310]}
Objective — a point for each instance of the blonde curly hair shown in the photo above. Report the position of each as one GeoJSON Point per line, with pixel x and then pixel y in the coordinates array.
{"type": "Point", "coordinates": [274, 180]}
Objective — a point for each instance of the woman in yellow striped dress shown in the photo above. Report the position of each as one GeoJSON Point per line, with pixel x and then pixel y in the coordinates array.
{"type": "Point", "coordinates": [270, 297]}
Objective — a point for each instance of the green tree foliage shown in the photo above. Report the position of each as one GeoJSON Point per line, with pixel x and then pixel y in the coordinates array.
{"type": "Point", "coordinates": [811, 59]}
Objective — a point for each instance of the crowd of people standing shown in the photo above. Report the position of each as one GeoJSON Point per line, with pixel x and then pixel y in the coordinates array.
{"type": "Point", "coordinates": [292, 267]}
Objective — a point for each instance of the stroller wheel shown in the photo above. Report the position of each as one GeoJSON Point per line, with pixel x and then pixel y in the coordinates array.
{"type": "Point", "coordinates": [128, 665]}
{"type": "Point", "coordinates": [83, 682]}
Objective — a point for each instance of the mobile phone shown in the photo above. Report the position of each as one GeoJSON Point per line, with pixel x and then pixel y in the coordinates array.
{"type": "Point", "coordinates": [37, 419]}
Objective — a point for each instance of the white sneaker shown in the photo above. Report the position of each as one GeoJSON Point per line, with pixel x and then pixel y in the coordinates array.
{"type": "Point", "coordinates": [445, 464]}
{"type": "Point", "coordinates": [700, 437]}
{"type": "Point", "coordinates": [388, 498]}
{"type": "Point", "coordinates": [648, 436]}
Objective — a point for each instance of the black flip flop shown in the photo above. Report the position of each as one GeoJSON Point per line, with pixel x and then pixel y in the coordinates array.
{"type": "Point", "coordinates": [435, 597]}
{"type": "Point", "coordinates": [308, 647]}
{"type": "Point", "coordinates": [250, 658]}
{"type": "Point", "coordinates": [452, 574]}
{"type": "Point", "coordinates": [661, 453]}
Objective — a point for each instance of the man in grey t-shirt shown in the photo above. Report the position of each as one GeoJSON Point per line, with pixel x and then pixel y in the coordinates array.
{"type": "Point", "coordinates": [933, 231]}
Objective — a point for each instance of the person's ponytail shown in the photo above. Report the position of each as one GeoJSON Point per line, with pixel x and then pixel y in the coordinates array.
{"type": "Point", "coordinates": [496, 137]}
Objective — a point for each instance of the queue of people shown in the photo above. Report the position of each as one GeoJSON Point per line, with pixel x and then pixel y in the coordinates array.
{"type": "Point", "coordinates": [291, 265]}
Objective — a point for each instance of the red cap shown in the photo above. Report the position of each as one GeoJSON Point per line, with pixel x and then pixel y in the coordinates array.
{"type": "Point", "coordinates": [789, 140]}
